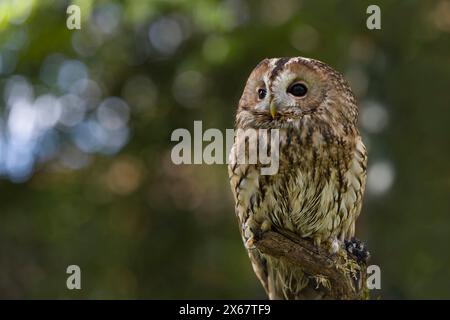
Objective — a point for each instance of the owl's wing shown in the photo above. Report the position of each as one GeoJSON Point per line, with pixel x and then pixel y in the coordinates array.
{"type": "Point", "coordinates": [237, 173]}
{"type": "Point", "coordinates": [356, 182]}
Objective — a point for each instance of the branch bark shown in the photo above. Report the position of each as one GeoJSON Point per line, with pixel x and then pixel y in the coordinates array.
{"type": "Point", "coordinates": [347, 276]}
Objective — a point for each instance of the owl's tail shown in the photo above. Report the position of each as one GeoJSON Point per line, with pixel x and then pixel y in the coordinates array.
{"type": "Point", "coordinates": [286, 281]}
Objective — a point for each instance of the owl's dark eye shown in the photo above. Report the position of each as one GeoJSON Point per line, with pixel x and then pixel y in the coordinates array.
{"type": "Point", "coordinates": [298, 90]}
{"type": "Point", "coordinates": [261, 93]}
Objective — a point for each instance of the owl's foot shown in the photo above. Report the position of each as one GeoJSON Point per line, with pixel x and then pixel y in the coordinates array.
{"type": "Point", "coordinates": [335, 245]}
{"type": "Point", "coordinates": [253, 232]}
{"type": "Point", "coordinates": [358, 249]}
{"type": "Point", "coordinates": [331, 245]}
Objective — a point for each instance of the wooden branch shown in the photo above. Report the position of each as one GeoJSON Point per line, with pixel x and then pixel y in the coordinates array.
{"type": "Point", "coordinates": [347, 276]}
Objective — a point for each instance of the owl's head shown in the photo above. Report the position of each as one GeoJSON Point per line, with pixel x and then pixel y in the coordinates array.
{"type": "Point", "coordinates": [280, 92]}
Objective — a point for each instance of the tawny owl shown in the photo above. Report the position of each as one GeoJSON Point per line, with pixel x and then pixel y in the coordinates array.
{"type": "Point", "coordinates": [318, 189]}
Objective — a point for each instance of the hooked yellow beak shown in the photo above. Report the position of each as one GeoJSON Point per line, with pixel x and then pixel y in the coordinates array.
{"type": "Point", "coordinates": [273, 109]}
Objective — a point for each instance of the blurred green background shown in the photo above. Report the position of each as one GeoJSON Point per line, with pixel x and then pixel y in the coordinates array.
{"type": "Point", "coordinates": [85, 123]}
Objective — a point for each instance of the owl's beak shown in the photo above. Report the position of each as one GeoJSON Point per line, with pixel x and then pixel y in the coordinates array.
{"type": "Point", "coordinates": [273, 109]}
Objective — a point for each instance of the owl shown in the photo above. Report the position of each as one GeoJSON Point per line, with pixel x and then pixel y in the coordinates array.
{"type": "Point", "coordinates": [318, 189]}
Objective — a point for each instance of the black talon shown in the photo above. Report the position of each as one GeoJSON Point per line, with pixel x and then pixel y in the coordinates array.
{"type": "Point", "coordinates": [357, 248]}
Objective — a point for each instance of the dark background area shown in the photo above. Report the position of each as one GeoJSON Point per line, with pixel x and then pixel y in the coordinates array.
{"type": "Point", "coordinates": [86, 118]}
